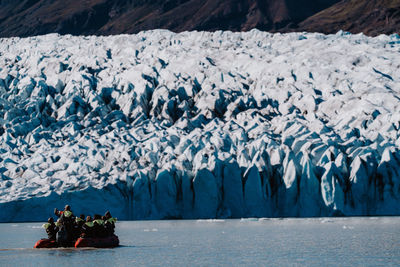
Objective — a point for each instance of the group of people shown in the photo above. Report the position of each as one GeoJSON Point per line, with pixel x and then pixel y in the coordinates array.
{"type": "Point", "coordinates": [68, 227]}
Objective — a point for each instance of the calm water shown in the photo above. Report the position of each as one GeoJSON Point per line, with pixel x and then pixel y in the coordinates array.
{"type": "Point", "coordinates": [265, 242]}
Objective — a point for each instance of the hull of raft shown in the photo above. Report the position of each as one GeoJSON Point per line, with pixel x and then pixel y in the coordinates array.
{"type": "Point", "coordinates": [46, 243]}
{"type": "Point", "coordinates": [100, 242]}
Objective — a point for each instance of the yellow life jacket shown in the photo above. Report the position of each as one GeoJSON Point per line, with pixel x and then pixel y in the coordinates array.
{"type": "Point", "coordinates": [112, 220]}
{"type": "Point", "coordinates": [78, 219]}
{"type": "Point", "coordinates": [90, 224]}
{"type": "Point", "coordinates": [46, 225]}
{"type": "Point", "coordinates": [99, 221]}
{"type": "Point", "coordinates": [67, 213]}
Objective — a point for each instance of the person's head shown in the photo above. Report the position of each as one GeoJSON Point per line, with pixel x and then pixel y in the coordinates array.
{"type": "Point", "coordinates": [88, 218]}
{"type": "Point", "coordinates": [82, 216]}
{"type": "Point", "coordinates": [50, 220]}
{"type": "Point", "coordinates": [67, 207]}
{"type": "Point", "coordinates": [107, 215]}
{"type": "Point", "coordinates": [97, 216]}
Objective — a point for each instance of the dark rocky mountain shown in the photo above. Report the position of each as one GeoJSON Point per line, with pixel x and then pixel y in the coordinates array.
{"type": "Point", "coordinates": [373, 17]}
{"type": "Point", "coordinates": [104, 17]}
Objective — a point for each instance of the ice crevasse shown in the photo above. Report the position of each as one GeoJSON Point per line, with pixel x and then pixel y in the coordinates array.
{"type": "Point", "coordinates": [161, 125]}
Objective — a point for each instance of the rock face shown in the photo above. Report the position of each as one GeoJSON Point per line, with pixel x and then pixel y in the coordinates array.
{"type": "Point", "coordinates": [371, 17]}
{"type": "Point", "coordinates": [105, 17]}
{"type": "Point", "coordinates": [200, 125]}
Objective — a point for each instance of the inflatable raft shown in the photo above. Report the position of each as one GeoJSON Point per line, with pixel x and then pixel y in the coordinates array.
{"type": "Point", "coordinates": [46, 243]}
{"type": "Point", "coordinates": [98, 242]}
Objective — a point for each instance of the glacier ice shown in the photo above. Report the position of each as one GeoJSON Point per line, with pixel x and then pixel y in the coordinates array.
{"type": "Point", "coordinates": [200, 125]}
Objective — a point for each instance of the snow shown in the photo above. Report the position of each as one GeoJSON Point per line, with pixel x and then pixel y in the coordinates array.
{"type": "Point", "coordinates": [200, 125]}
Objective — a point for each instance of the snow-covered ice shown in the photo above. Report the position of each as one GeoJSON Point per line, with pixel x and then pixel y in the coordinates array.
{"type": "Point", "coordinates": [200, 125]}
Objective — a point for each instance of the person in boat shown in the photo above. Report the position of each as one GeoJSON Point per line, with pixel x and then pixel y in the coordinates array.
{"type": "Point", "coordinates": [88, 228]}
{"type": "Point", "coordinates": [109, 223]}
{"type": "Point", "coordinates": [58, 223]}
{"type": "Point", "coordinates": [79, 221]}
{"type": "Point", "coordinates": [64, 237]}
{"type": "Point", "coordinates": [51, 229]}
{"type": "Point", "coordinates": [99, 229]}
{"type": "Point", "coordinates": [67, 220]}
{"type": "Point", "coordinates": [78, 224]}
{"type": "Point", "coordinates": [66, 212]}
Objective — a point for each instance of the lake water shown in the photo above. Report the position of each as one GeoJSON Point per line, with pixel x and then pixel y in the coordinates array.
{"type": "Point", "coordinates": [364, 241]}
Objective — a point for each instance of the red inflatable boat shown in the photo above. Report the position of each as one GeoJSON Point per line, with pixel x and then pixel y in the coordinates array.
{"type": "Point", "coordinates": [98, 242]}
{"type": "Point", "coordinates": [82, 242]}
{"type": "Point", "coordinates": [46, 243]}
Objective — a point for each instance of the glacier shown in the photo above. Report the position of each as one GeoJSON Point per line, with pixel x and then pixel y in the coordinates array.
{"type": "Point", "coordinates": [161, 125]}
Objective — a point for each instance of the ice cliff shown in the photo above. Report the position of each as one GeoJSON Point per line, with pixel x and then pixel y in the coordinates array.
{"type": "Point", "coordinates": [200, 125]}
